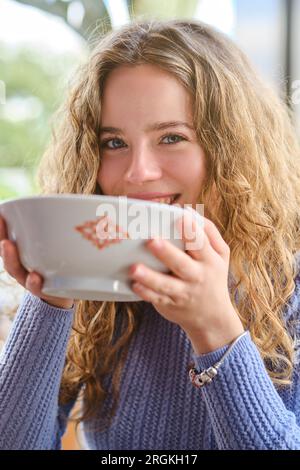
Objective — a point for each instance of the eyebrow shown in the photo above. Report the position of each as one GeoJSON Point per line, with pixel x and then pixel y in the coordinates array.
{"type": "Point", "coordinates": [156, 126]}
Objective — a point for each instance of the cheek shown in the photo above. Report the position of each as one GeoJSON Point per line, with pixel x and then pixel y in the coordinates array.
{"type": "Point", "coordinates": [109, 174]}
{"type": "Point", "coordinates": [190, 168]}
{"type": "Point", "coordinates": [197, 169]}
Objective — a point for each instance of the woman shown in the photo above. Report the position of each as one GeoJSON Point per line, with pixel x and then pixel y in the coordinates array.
{"type": "Point", "coordinates": [235, 151]}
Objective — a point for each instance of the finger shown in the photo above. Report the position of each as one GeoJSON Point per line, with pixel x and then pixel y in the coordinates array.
{"type": "Point", "coordinates": [158, 282]}
{"type": "Point", "coordinates": [192, 233]}
{"type": "Point", "coordinates": [151, 296]}
{"type": "Point", "coordinates": [212, 232]}
{"type": "Point", "coordinates": [179, 262]}
{"type": "Point", "coordinates": [12, 263]}
{"type": "Point", "coordinates": [215, 238]}
{"type": "Point", "coordinates": [3, 229]}
{"type": "Point", "coordinates": [34, 283]}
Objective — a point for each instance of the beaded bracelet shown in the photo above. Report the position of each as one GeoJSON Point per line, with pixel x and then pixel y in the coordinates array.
{"type": "Point", "coordinates": [199, 379]}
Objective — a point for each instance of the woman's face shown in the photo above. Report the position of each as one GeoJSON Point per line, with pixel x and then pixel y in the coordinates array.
{"type": "Point", "coordinates": [141, 151]}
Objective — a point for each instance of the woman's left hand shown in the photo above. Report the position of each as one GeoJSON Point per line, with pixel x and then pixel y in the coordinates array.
{"type": "Point", "coordinates": [195, 295]}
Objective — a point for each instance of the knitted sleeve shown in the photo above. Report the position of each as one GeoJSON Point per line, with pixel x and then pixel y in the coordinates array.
{"type": "Point", "coordinates": [245, 408]}
{"type": "Point", "coordinates": [31, 366]}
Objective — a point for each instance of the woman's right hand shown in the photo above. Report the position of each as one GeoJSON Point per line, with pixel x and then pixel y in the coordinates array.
{"type": "Point", "coordinates": [32, 281]}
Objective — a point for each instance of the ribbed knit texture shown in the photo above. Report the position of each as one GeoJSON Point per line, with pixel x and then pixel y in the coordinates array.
{"type": "Point", "coordinates": [158, 408]}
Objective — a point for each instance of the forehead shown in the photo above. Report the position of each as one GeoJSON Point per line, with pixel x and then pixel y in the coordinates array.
{"type": "Point", "coordinates": [144, 91]}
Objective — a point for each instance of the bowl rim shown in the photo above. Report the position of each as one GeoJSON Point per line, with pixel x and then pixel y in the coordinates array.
{"type": "Point", "coordinates": [71, 196]}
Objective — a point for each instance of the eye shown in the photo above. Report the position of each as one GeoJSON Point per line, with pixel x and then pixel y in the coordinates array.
{"type": "Point", "coordinates": [172, 136]}
{"type": "Point", "coordinates": [174, 139]}
{"type": "Point", "coordinates": [104, 143]}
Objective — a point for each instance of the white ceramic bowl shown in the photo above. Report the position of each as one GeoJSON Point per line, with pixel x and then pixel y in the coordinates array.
{"type": "Point", "coordinates": [58, 236]}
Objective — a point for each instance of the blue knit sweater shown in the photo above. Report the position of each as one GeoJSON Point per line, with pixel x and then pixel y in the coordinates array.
{"type": "Point", "coordinates": [158, 408]}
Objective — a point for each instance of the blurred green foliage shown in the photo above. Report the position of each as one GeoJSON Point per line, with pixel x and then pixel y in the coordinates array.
{"type": "Point", "coordinates": [7, 192]}
{"type": "Point", "coordinates": [34, 83]}
{"type": "Point", "coordinates": [35, 87]}
{"type": "Point", "coordinates": [164, 8]}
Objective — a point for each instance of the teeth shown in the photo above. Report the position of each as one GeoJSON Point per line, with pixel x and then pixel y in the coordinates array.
{"type": "Point", "coordinates": [166, 200]}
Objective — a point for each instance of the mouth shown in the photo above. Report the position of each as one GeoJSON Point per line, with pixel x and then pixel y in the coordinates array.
{"type": "Point", "coordinates": [170, 200]}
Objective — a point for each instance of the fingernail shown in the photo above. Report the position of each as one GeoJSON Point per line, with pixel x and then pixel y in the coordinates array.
{"type": "Point", "coordinates": [132, 269]}
{"type": "Point", "coordinates": [156, 242]}
{"type": "Point", "coordinates": [136, 271]}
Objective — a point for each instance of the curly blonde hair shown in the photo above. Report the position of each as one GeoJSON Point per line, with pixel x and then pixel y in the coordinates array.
{"type": "Point", "coordinates": [252, 156]}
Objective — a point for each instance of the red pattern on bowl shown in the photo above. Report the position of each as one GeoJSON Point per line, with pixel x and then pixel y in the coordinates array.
{"type": "Point", "coordinates": [88, 230]}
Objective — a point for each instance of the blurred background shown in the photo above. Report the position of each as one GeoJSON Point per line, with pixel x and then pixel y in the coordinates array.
{"type": "Point", "coordinates": [43, 41]}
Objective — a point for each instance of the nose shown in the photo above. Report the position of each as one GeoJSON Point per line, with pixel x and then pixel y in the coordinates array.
{"type": "Point", "coordinates": [142, 167]}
